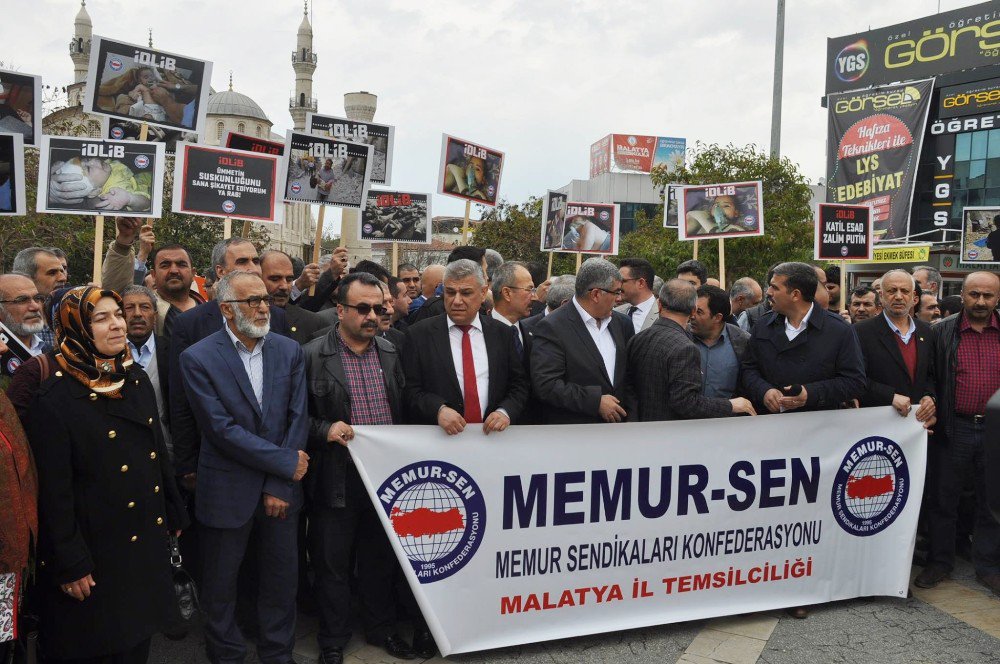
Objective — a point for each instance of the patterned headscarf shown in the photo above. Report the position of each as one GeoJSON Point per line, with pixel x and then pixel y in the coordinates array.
{"type": "Point", "coordinates": [77, 354]}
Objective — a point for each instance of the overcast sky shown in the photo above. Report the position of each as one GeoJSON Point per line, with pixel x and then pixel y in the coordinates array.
{"type": "Point", "coordinates": [538, 79]}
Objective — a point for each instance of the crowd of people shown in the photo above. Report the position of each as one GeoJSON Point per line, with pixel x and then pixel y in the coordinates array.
{"type": "Point", "coordinates": [149, 411]}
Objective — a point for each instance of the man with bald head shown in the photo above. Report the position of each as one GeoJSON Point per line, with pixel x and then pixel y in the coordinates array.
{"type": "Point", "coordinates": [430, 280]}
{"type": "Point", "coordinates": [21, 311]}
{"type": "Point", "coordinates": [743, 294]}
{"type": "Point", "coordinates": [967, 371]}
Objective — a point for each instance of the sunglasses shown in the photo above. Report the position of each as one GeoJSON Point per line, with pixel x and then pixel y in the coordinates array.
{"type": "Point", "coordinates": [364, 309]}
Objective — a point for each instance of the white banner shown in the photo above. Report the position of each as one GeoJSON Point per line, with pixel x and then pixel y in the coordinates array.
{"type": "Point", "coordinates": [549, 532]}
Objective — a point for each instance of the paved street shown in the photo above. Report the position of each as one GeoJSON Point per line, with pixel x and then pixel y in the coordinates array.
{"type": "Point", "coordinates": [958, 622]}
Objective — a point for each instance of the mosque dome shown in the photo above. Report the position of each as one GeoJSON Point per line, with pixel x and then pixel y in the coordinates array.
{"type": "Point", "coordinates": [230, 102]}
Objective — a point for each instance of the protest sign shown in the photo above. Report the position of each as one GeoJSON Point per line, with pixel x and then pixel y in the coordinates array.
{"type": "Point", "coordinates": [328, 171]}
{"type": "Point", "coordinates": [545, 540]}
{"type": "Point", "coordinates": [118, 129]}
{"type": "Point", "coordinates": [144, 84]}
{"type": "Point", "coordinates": [396, 216]}
{"type": "Point", "coordinates": [219, 182]}
{"type": "Point", "coordinates": [843, 232]}
{"type": "Point", "coordinates": [379, 136]}
{"type": "Point", "coordinates": [671, 196]}
{"type": "Point", "coordinates": [715, 211]}
{"type": "Point", "coordinates": [16, 355]}
{"type": "Point", "coordinates": [253, 144]}
{"type": "Point", "coordinates": [591, 228]}
{"type": "Point", "coordinates": [469, 171]}
{"type": "Point", "coordinates": [96, 177]}
{"type": "Point", "coordinates": [980, 236]}
{"type": "Point", "coordinates": [553, 220]}
{"type": "Point", "coordinates": [21, 105]}
{"type": "Point", "coordinates": [873, 148]}
{"type": "Point", "coordinates": [11, 175]}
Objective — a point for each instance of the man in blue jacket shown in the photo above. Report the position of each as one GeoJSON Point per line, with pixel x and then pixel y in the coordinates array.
{"type": "Point", "coordinates": [249, 467]}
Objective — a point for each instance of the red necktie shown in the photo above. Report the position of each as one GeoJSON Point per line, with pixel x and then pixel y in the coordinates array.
{"type": "Point", "coordinates": [472, 414]}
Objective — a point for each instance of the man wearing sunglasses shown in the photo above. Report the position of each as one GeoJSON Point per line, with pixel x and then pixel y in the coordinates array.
{"type": "Point", "coordinates": [462, 367]}
{"type": "Point", "coordinates": [578, 352]}
{"type": "Point", "coordinates": [355, 378]}
{"type": "Point", "coordinates": [21, 311]}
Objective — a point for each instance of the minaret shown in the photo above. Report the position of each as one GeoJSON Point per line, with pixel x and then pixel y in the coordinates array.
{"type": "Point", "coordinates": [304, 64]}
{"type": "Point", "coordinates": [79, 52]}
{"type": "Point", "coordinates": [358, 106]}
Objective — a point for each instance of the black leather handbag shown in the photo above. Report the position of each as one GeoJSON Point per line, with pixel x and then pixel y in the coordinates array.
{"type": "Point", "coordinates": [187, 596]}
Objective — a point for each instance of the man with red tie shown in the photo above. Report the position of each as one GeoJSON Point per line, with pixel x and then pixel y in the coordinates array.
{"type": "Point", "coordinates": [462, 368]}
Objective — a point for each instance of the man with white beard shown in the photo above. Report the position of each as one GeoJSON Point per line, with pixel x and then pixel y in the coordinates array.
{"type": "Point", "coordinates": [249, 468]}
{"type": "Point", "coordinates": [21, 310]}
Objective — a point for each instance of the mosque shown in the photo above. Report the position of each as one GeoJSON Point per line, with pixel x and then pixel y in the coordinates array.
{"type": "Point", "coordinates": [228, 110]}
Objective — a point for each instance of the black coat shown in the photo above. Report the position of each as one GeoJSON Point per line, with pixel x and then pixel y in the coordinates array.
{"type": "Point", "coordinates": [884, 366]}
{"type": "Point", "coordinates": [107, 499]}
{"type": "Point", "coordinates": [567, 371]}
{"type": "Point", "coordinates": [825, 358]}
{"type": "Point", "coordinates": [303, 324]}
{"type": "Point", "coordinates": [330, 402]}
{"type": "Point", "coordinates": [432, 380]}
{"type": "Point", "coordinates": [189, 328]}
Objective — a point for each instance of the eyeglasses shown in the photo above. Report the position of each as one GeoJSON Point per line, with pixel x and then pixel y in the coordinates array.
{"type": "Point", "coordinates": [254, 301]}
{"type": "Point", "coordinates": [530, 290]}
{"type": "Point", "coordinates": [364, 309]}
{"type": "Point", "coordinates": [612, 292]}
{"type": "Point", "coordinates": [24, 299]}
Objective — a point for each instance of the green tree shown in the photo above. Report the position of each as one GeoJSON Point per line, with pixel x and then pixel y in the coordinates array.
{"type": "Point", "coordinates": [515, 231]}
{"type": "Point", "coordinates": [787, 213]}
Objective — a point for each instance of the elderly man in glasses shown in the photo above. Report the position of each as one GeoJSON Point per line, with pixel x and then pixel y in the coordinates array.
{"type": "Point", "coordinates": [21, 311]}
{"type": "Point", "coordinates": [355, 378]}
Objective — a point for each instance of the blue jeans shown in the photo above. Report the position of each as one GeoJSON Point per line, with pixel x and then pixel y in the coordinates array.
{"type": "Point", "coordinates": [961, 460]}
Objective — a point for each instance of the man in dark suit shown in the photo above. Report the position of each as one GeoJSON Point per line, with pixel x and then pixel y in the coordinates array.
{"type": "Point", "coordinates": [799, 344]}
{"type": "Point", "coordinates": [462, 368]}
{"type": "Point", "coordinates": [355, 378]}
{"type": "Point", "coordinates": [278, 274]}
{"type": "Point", "coordinates": [149, 350]}
{"type": "Point", "coordinates": [578, 352]}
{"type": "Point", "coordinates": [898, 351]}
{"type": "Point", "coordinates": [249, 468]}
{"type": "Point", "coordinates": [664, 366]}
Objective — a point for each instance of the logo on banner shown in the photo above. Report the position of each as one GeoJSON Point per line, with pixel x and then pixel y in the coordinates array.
{"type": "Point", "coordinates": [368, 228]}
{"type": "Point", "coordinates": [438, 514]}
{"type": "Point", "coordinates": [12, 365]}
{"type": "Point", "coordinates": [117, 132]}
{"type": "Point", "coordinates": [141, 161]}
{"type": "Point", "coordinates": [228, 206]}
{"type": "Point", "coordinates": [604, 215]}
{"type": "Point", "coordinates": [844, 251]}
{"type": "Point", "coordinates": [871, 486]}
{"type": "Point", "coordinates": [296, 187]}
{"type": "Point", "coordinates": [852, 61]}
{"type": "Point", "coordinates": [116, 64]}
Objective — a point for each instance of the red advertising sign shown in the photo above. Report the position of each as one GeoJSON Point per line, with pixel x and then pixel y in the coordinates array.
{"type": "Point", "coordinates": [633, 153]}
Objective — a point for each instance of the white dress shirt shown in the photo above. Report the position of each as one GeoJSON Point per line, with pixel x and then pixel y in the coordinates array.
{"type": "Point", "coordinates": [639, 315]}
{"type": "Point", "coordinates": [36, 345]}
{"type": "Point", "coordinates": [479, 358]}
{"type": "Point", "coordinates": [143, 355]}
{"type": "Point", "coordinates": [253, 363]}
{"type": "Point", "coordinates": [792, 332]}
{"type": "Point", "coordinates": [601, 335]}
{"type": "Point", "coordinates": [503, 319]}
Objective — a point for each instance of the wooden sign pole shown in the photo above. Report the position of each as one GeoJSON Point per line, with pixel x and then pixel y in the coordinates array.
{"type": "Point", "coordinates": [99, 228]}
{"type": "Point", "coordinates": [551, 256]}
{"type": "Point", "coordinates": [227, 228]}
{"type": "Point", "coordinates": [246, 230]}
{"type": "Point", "coordinates": [579, 260]}
{"type": "Point", "coordinates": [843, 285]}
{"type": "Point", "coordinates": [317, 243]}
{"type": "Point", "coordinates": [395, 258]}
{"type": "Point", "coordinates": [722, 262]}
{"type": "Point", "coordinates": [465, 222]}
{"type": "Point", "coordinates": [695, 250]}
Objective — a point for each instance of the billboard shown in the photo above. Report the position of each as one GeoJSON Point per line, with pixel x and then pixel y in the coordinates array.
{"type": "Point", "coordinates": [946, 42]}
{"type": "Point", "coordinates": [980, 236]}
{"type": "Point", "coordinates": [714, 211]}
{"type": "Point", "coordinates": [873, 148]}
{"type": "Point", "coordinates": [632, 153]}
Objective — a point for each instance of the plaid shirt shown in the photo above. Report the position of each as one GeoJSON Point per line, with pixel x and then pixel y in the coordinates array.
{"type": "Point", "coordinates": [369, 404]}
{"type": "Point", "coordinates": [977, 374]}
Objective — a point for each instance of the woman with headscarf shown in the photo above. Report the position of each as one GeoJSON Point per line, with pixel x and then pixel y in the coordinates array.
{"type": "Point", "coordinates": [18, 518]}
{"type": "Point", "coordinates": [107, 496]}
